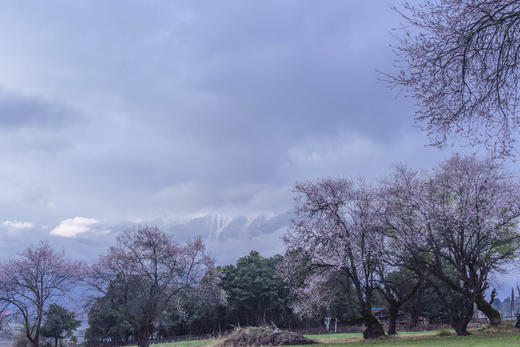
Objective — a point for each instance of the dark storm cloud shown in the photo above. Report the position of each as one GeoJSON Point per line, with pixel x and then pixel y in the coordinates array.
{"type": "Point", "coordinates": [21, 111]}
{"type": "Point", "coordinates": [292, 71]}
{"type": "Point", "coordinates": [182, 113]}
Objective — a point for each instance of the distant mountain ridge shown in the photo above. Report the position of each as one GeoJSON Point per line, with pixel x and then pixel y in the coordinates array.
{"type": "Point", "coordinates": [223, 228]}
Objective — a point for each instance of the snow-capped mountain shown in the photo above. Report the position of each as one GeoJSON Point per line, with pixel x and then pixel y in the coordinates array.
{"type": "Point", "coordinates": [223, 228]}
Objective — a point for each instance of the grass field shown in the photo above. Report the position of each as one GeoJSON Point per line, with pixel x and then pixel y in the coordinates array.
{"type": "Point", "coordinates": [408, 339]}
{"type": "Point", "coordinates": [192, 343]}
{"type": "Point", "coordinates": [416, 340]}
{"type": "Point", "coordinates": [360, 335]}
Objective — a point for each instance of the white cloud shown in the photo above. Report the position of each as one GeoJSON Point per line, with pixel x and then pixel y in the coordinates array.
{"type": "Point", "coordinates": [17, 224]}
{"type": "Point", "coordinates": [72, 227]}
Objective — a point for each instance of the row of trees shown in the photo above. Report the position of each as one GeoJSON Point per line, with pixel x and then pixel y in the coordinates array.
{"type": "Point", "coordinates": [426, 243]}
{"type": "Point", "coordinates": [454, 228]}
{"type": "Point", "coordinates": [459, 60]}
{"type": "Point", "coordinates": [139, 277]}
{"type": "Point", "coordinates": [255, 290]}
{"type": "Point", "coordinates": [251, 292]}
{"type": "Point", "coordinates": [145, 287]}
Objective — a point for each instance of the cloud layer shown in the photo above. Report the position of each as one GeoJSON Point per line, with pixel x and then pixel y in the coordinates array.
{"type": "Point", "coordinates": [180, 113]}
{"type": "Point", "coordinates": [17, 224]}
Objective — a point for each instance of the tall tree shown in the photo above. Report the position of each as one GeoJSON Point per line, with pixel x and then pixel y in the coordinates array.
{"type": "Point", "coordinates": [255, 291]}
{"type": "Point", "coordinates": [59, 323]}
{"type": "Point", "coordinates": [198, 309]}
{"type": "Point", "coordinates": [29, 282]}
{"type": "Point", "coordinates": [107, 324]}
{"type": "Point", "coordinates": [148, 269]}
{"type": "Point", "coordinates": [336, 226]}
{"type": "Point", "coordinates": [460, 61]}
{"type": "Point", "coordinates": [459, 225]}
{"type": "Point", "coordinates": [398, 279]}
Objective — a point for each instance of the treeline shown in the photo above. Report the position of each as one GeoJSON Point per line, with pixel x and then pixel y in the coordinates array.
{"type": "Point", "coordinates": [424, 244]}
{"type": "Point", "coordinates": [251, 292]}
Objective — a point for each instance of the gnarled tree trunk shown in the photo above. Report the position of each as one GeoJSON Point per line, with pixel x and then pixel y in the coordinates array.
{"type": "Point", "coordinates": [34, 340]}
{"type": "Point", "coordinates": [374, 328]}
{"type": "Point", "coordinates": [487, 308]}
{"type": "Point", "coordinates": [143, 336]}
{"type": "Point", "coordinates": [461, 314]}
{"type": "Point", "coordinates": [461, 327]}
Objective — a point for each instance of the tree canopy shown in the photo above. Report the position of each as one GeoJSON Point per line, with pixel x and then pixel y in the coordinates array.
{"type": "Point", "coordinates": [59, 324]}
{"type": "Point", "coordinates": [459, 59]}
{"type": "Point", "coordinates": [147, 269]}
{"type": "Point", "coordinates": [30, 282]}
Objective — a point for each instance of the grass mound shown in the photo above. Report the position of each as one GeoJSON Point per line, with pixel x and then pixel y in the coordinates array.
{"type": "Point", "coordinates": [445, 332]}
{"type": "Point", "coordinates": [504, 327]}
{"type": "Point", "coordinates": [262, 336]}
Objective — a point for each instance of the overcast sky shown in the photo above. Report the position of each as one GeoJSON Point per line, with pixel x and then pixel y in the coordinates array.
{"type": "Point", "coordinates": [120, 112]}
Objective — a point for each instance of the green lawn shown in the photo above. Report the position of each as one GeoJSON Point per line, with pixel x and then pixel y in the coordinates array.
{"type": "Point", "coordinates": [409, 339]}
{"type": "Point", "coordinates": [498, 340]}
{"type": "Point", "coordinates": [191, 343]}
{"type": "Point", "coordinates": [360, 335]}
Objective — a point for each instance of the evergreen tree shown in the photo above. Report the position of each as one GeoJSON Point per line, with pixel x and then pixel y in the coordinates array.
{"type": "Point", "coordinates": [59, 324]}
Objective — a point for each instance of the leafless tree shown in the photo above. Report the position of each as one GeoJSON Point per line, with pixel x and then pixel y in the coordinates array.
{"type": "Point", "coordinates": [459, 60]}
{"type": "Point", "coordinates": [144, 272]}
{"type": "Point", "coordinates": [32, 281]}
